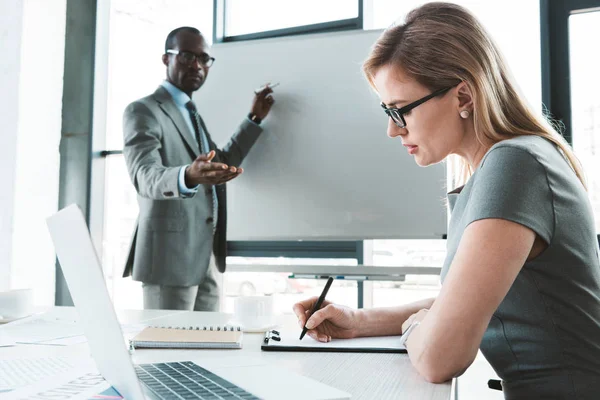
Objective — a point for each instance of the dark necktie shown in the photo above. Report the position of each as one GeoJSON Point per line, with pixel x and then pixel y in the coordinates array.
{"type": "Point", "coordinates": [197, 127]}
{"type": "Point", "coordinates": [204, 149]}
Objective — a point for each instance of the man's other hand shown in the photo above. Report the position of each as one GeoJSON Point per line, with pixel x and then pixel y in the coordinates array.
{"type": "Point", "coordinates": [263, 100]}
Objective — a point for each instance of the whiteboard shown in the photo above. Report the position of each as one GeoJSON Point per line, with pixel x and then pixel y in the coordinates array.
{"type": "Point", "coordinates": [324, 168]}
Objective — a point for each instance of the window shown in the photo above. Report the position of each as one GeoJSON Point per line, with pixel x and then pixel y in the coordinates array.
{"type": "Point", "coordinates": [120, 213]}
{"type": "Point", "coordinates": [585, 105]}
{"type": "Point", "coordinates": [427, 254]}
{"type": "Point", "coordinates": [521, 47]}
{"type": "Point", "coordinates": [137, 32]}
{"type": "Point", "coordinates": [247, 17]}
{"type": "Point", "coordinates": [37, 161]}
{"type": "Point", "coordinates": [138, 29]}
{"type": "Point", "coordinates": [286, 290]}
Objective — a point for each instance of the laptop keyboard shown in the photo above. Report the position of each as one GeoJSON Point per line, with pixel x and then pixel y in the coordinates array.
{"type": "Point", "coordinates": [187, 380]}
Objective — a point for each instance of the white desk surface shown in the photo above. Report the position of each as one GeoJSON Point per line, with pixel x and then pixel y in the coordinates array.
{"type": "Point", "coordinates": [364, 375]}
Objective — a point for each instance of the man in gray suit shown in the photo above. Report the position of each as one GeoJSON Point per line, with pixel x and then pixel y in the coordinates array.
{"type": "Point", "coordinates": [180, 175]}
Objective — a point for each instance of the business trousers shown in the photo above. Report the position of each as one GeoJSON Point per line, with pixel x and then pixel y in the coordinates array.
{"type": "Point", "coordinates": [203, 297]}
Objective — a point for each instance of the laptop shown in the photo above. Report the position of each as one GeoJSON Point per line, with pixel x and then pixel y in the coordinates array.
{"type": "Point", "coordinates": [168, 380]}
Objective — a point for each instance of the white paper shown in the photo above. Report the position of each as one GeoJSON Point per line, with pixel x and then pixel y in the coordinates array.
{"type": "Point", "coordinates": [38, 330]}
{"type": "Point", "coordinates": [53, 332]}
{"type": "Point", "coordinates": [19, 372]}
{"type": "Point", "coordinates": [4, 320]}
{"type": "Point", "coordinates": [63, 341]}
{"type": "Point", "coordinates": [132, 329]}
{"type": "Point", "coordinates": [83, 382]}
{"type": "Point", "coordinates": [6, 340]}
{"type": "Point", "coordinates": [291, 338]}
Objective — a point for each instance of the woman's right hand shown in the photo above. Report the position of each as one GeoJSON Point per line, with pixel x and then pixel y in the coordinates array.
{"type": "Point", "coordinates": [331, 321]}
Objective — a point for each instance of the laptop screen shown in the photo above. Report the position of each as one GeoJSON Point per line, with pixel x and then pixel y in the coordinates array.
{"type": "Point", "coordinates": [83, 273]}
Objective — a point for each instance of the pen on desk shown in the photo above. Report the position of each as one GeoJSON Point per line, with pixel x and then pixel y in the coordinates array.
{"type": "Point", "coordinates": [317, 304]}
{"type": "Point", "coordinates": [260, 89]}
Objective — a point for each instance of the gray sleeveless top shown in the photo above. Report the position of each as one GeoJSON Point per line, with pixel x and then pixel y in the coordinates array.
{"type": "Point", "coordinates": [543, 341]}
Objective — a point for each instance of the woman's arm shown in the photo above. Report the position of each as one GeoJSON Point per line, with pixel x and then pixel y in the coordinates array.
{"type": "Point", "coordinates": [489, 257]}
{"type": "Point", "coordinates": [336, 321]}
{"type": "Point", "coordinates": [388, 321]}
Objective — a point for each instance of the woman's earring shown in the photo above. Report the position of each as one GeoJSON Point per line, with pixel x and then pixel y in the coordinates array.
{"type": "Point", "coordinates": [464, 114]}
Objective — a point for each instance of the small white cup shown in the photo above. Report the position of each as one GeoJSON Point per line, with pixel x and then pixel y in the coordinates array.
{"type": "Point", "coordinates": [16, 303]}
{"type": "Point", "coordinates": [254, 313]}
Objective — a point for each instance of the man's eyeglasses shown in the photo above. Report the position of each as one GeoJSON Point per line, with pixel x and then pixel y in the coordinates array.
{"type": "Point", "coordinates": [188, 58]}
{"type": "Point", "coordinates": [397, 114]}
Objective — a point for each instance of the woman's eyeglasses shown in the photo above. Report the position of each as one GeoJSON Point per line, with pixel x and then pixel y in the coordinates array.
{"type": "Point", "coordinates": [397, 114]}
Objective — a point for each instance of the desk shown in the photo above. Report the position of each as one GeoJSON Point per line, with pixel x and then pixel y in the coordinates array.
{"type": "Point", "coordinates": [364, 375]}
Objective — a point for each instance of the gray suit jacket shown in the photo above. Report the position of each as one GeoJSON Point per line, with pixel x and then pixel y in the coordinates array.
{"type": "Point", "coordinates": [173, 238]}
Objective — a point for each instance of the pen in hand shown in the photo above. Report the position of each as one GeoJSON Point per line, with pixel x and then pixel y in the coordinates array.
{"type": "Point", "coordinates": [317, 305]}
{"type": "Point", "coordinates": [260, 89]}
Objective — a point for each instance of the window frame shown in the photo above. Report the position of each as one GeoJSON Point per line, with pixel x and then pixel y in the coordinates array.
{"type": "Point", "coordinates": [553, 96]}
{"type": "Point", "coordinates": [220, 16]}
{"type": "Point", "coordinates": [556, 88]}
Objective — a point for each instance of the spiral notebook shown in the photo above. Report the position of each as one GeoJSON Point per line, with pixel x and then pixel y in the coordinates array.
{"type": "Point", "coordinates": [193, 337]}
{"type": "Point", "coordinates": [288, 341]}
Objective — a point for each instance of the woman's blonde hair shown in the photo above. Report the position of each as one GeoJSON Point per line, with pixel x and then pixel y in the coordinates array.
{"type": "Point", "coordinates": [442, 44]}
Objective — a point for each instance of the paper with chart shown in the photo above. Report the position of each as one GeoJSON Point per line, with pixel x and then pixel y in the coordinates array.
{"type": "Point", "coordinates": [82, 382]}
{"type": "Point", "coordinates": [19, 372]}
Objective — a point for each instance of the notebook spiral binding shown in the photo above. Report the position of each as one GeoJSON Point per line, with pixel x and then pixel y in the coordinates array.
{"type": "Point", "coordinates": [200, 328]}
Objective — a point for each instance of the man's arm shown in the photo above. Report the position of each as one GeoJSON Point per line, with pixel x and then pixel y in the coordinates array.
{"type": "Point", "coordinates": [247, 133]}
{"type": "Point", "coordinates": [142, 136]}
{"type": "Point", "coordinates": [183, 188]}
{"type": "Point", "coordinates": [239, 145]}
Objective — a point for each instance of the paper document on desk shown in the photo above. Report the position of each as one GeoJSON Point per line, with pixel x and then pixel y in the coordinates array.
{"type": "Point", "coordinates": [39, 330]}
{"type": "Point", "coordinates": [19, 372]}
{"type": "Point", "coordinates": [81, 383]}
{"type": "Point", "coordinates": [51, 331]}
{"type": "Point", "coordinates": [129, 330]}
{"type": "Point", "coordinates": [6, 340]}
{"type": "Point", "coordinates": [288, 341]}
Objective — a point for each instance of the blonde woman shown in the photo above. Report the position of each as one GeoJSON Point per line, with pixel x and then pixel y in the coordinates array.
{"type": "Point", "coordinates": [521, 280]}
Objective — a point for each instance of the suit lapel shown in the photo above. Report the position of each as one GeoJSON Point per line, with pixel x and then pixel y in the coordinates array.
{"type": "Point", "coordinates": [167, 104]}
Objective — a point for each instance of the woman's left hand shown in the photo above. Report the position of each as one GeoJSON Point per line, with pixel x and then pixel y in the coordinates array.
{"type": "Point", "coordinates": [418, 316]}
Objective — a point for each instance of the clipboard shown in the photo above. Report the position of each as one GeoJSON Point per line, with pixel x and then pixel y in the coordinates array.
{"type": "Point", "coordinates": [288, 341]}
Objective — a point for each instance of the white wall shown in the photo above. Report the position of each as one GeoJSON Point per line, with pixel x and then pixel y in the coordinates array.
{"type": "Point", "coordinates": [10, 47]}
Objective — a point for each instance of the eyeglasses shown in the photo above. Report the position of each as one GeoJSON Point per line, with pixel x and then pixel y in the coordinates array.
{"type": "Point", "coordinates": [188, 58]}
{"type": "Point", "coordinates": [397, 114]}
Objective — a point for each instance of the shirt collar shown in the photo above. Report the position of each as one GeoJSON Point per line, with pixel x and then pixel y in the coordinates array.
{"type": "Point", "coordinates": [178, 96]}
